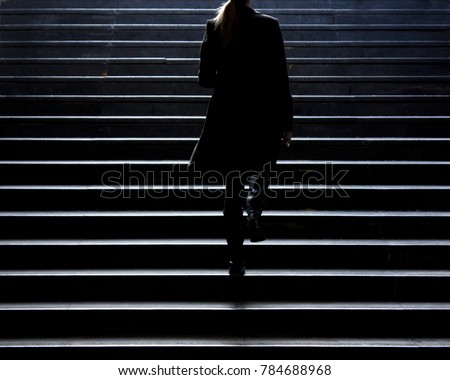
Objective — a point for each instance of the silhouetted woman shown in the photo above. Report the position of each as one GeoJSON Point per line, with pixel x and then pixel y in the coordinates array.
{"type": "Point", "coordinates": [243, 58]}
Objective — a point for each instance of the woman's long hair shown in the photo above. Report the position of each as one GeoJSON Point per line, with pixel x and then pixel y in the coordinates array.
{"type": "Point", "coordinates": [227, 20]}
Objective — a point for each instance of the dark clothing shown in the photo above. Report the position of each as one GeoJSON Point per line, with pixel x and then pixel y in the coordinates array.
{"type": "Point", "coordinates": [237, 199]}
{"type": "Point", "coordinates": [248, 112]}
{"type": "Point", "coordinates": [251, 105]}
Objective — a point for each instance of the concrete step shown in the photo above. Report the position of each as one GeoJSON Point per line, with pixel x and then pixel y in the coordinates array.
{"type": "Point", "coordinates": [191, 49]}
{"type": "Point", "coordinates": [178, 126]}
{"type": "Point", "coordinates": [300, 285]}
{"type": "Point", "coordinates": [180, 85]}
{"type": "Point", "coordinates": [309, 224]}
{"type": "Point", "coordinates": [196, 105]}
{"type": "Point", "coordinates": [110, 148]}
{"type": "Point", "coordinates": [199, 15]}
{"type": "Point", "coordinates": [212, 4]}
{"type": "Point", "coordinates": [140, 319]}
{"type": "Point", "coordinates": [371, 257]}
{"type": "Point", "coordinates": [231, 348]}
{"type": "Point", "coordinates": [194, 32]}
{"type": "Point", "coordinates": [316, 197]}
{"type": "Point", "coordinates": [175, 173]}
{"type": "Point", "coordinates": [348, 254]}
{"type": "Point", "coordinates": [412, 66]}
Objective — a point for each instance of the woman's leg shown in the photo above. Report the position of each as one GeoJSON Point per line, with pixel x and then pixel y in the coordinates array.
{"type": "Point", "coordinates": [234, 222]}
{"type": "Point", "coordinates": [258, 186]}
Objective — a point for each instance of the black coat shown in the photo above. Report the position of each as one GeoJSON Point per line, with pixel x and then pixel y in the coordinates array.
{"type": "Point", "coordinates": [252, 104]}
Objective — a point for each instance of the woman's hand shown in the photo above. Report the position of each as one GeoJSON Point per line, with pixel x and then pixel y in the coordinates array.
{"type": "Point", "coordinates": [287, 138]}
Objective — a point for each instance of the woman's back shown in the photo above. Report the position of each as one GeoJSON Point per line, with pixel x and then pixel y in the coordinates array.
{"type": "Point", "coordinates": [253, 65]}
{"type": "Point", "coordinates": [252, 104]}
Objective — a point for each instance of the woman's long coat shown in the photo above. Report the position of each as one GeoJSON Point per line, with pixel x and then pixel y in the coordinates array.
{"type": "Point", "coordinates": [251, 105]}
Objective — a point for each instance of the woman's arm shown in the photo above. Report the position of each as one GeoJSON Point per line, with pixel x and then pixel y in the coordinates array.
{"type": "Point", "coordinates": [208, 61]}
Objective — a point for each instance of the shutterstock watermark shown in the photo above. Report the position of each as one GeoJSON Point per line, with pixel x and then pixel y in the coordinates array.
{"type": "Point", "coordinates": [183, 181]}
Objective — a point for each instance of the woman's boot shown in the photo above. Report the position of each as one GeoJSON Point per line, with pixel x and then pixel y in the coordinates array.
{"type": "Point", "coordinates": [254, 208]}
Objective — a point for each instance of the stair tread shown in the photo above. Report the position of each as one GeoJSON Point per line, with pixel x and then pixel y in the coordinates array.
{"type": "Point", "coordinates": [185, 162]}
{"type": "Point", "coordinates": [218, 187]}
{"type": "Point", "coordinates": [168, 119]}
{"type": "Point", "coordinates": [194, 79]}
{"type": "Point", "coordinates": [268, 213]}
{"type": "Point", "coordinates": [235, 305]}
{"type": "Point", "coordinates": [206, 98]}
{"type": "Point", "coordinates": [221, 242]}
{"type": "Point", "coordinates": [195, 61]}
{"type": "Point", "coordinates": [195, 11]}
{"type": "Point", "coordinates": [220, 341]}
{"type": "Point", "coordinates": [201, 27]}
{"type": "Point", "coordinates": [358, 140]}
{"type": "Point", "coordinates": [353, 273]}
{"type": "Point", "coordinates": [184, 43]}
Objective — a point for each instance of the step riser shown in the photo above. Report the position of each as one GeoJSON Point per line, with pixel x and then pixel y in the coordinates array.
{"type": "Point", "coordinates": [398, 128]}
{"type": "Point", "coordinates": [197, 35]}
{"type": "Point", "coordinates": [241, 351]}
{"type": "Point", "coordinates": [41, 200]}
{"type": "Point", "coordinates": [335, 289]}
{"type": "Point", "coordinates": [258, 256]}
{"type": "Point", "coordinates": [316, 324]}
{"type": "Point", "coordinates": [154, 175]}
{"type": "Point", "coordinates": [193, 52]}
{"type": "Point", "coordinates": [150, 88]}
{"type": "Point", "coordinates": [209, 227]}
{"type": "Point", "coordinates": [182, 150]}
{"type": "Point", "coordinates": [211, 4]}
{"type": "Point", "coordinates": [143, 128]}
{"type": "Point", "coordinates": [198, 108]}
{"type": "Point", "coordinates": [148, 17]}
{"type": "Point", "coordinates": [305, 69]}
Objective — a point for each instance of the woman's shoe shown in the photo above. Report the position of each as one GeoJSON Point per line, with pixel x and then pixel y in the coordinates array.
{"type": "Point", "coordinates": [237, 268]}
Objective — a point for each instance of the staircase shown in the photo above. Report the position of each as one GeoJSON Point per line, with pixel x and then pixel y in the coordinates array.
{"type": "Point", "coordinates": [360, 270]}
